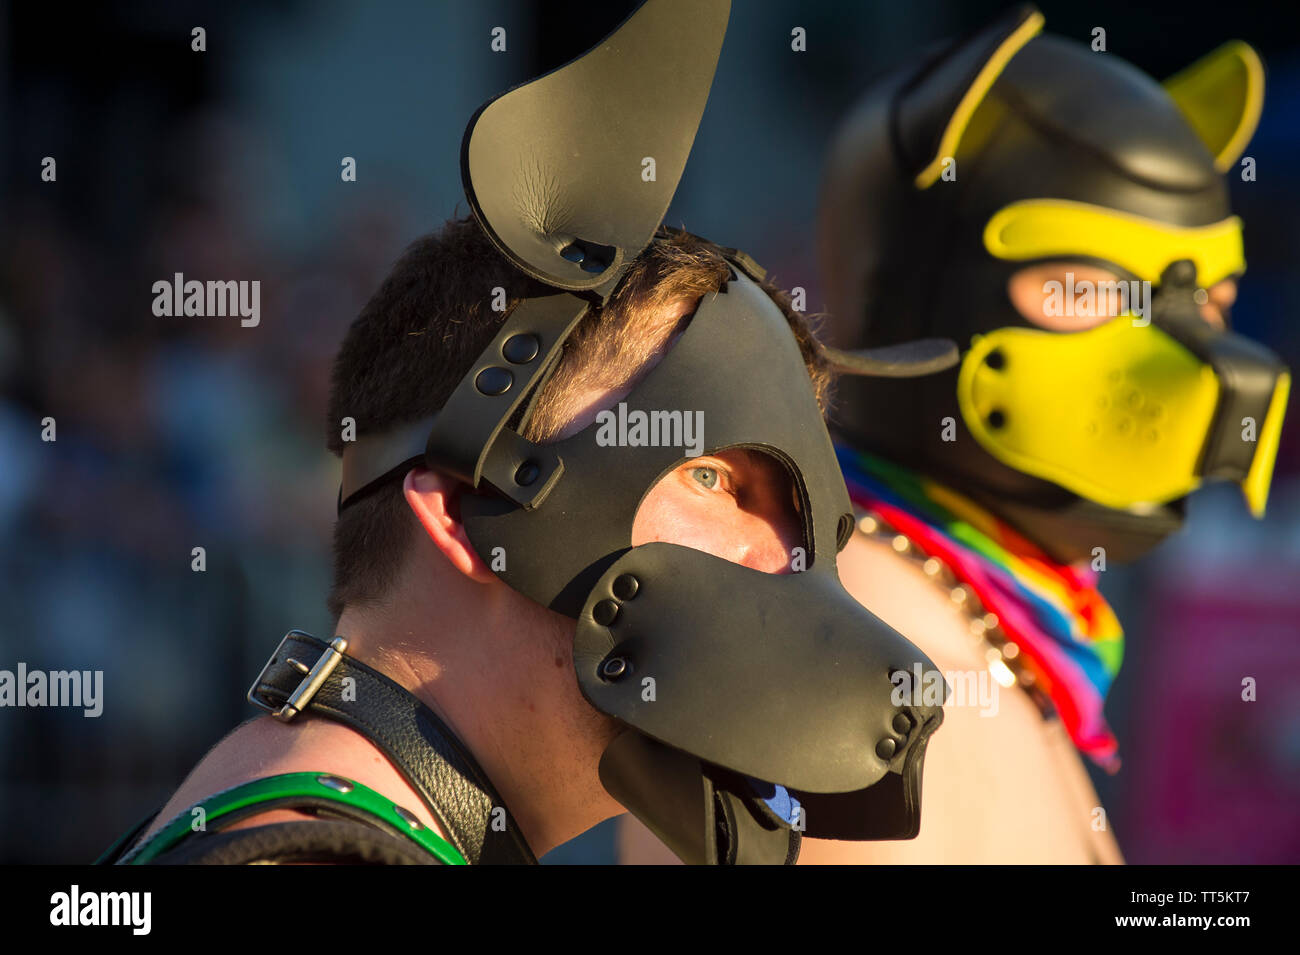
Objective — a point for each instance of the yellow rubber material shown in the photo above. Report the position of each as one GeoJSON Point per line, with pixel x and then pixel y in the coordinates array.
{"type": "Point", "coordinates": [975, 94]}
{"type": "Point", "coordinates": [1042, 228]}
{"type": "Point", "coordinates": [1221, 95]}
{"type": "Point", "coordinates": [1260, 476]}
{"type": "Point", "coordinates": [1118, 414]}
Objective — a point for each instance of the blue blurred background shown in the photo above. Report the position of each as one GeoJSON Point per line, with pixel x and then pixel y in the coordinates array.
{"type": "Point", "coordinates": [176, 433]}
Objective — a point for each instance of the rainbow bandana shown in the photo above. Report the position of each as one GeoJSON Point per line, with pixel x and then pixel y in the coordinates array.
{"type": "Point", "coordinates": [1066, 632]}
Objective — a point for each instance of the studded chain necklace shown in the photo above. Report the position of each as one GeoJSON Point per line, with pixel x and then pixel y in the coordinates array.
{"type": "Point", "coordinates": [1001, 654]}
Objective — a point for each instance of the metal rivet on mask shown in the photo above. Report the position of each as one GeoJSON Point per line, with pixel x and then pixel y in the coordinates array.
{"type": "Point", "coordinates": [886, 747]}
{"type": "Point", "coordinates": [408, 817]}
{"type": "Point", "coordinates": [527, 473]}
{"type": "Point", "coordinates": [521, 349]}
{"type": "Point", "coordinates": [996, 418]}
{"type": "Point", "coordinates": [995, 360]}
{"type": "Point", "coordinates": [604, 612]}
{"type": "Point", "coordinates": [626, 586]}
{"type": "Point", "coordinates": [902, 725]}
{"type": "Point", "coordinates": [494, 381]}
{"type": "Point", "coordinates": [336, 783]}
{"type": "Point", "coordinates": [613, 668]}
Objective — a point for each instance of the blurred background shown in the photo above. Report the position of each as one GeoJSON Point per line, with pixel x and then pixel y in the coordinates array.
{"type": "Point", "coordinates": [174, 433]}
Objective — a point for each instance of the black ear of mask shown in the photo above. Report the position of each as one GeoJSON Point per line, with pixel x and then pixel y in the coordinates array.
{"type": "Point", "coordinates": [780, 677]}
{"type": "Point", "coordinates": [903, 261]}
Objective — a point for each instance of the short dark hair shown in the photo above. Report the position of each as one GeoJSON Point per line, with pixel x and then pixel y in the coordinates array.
{"type": "Point", "coordinates": [422, 330]}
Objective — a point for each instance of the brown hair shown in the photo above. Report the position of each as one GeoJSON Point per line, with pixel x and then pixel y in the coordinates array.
{"type": "Point", "coordinates": [422, 330]}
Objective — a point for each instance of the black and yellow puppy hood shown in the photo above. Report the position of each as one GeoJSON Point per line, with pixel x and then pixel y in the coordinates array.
{"type": "Point", "coordinates": [1009, 148]}
{"type": "Point", "coordinates": [780, 679]}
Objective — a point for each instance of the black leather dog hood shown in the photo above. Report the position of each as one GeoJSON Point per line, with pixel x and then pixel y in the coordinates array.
{"type": "Point", "coordinates": [781, 678]}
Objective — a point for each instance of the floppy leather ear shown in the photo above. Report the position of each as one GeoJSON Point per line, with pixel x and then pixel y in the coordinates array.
{"type": "Point", "coordinates": [933, 110]}
{"type": "Point", "coordinates": [558, 170]}
{"type": "Point", "coordinates": [925, 356]}
{"type": "Point", "coordinates": [1221, 94]}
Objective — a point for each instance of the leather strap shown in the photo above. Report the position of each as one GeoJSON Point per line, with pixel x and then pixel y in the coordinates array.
{"type": "Point", "coordinates": [320, 794]}
{"type": "Point", "coordinates": [335, 842]}
{"type": "Point", "coordinates": [426, 752]}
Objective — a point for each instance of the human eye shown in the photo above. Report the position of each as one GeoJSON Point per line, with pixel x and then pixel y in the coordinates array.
{"type": "Point", "coordinates": [711, 476]}
{"type": "Point", "coordinates": [706, 477]}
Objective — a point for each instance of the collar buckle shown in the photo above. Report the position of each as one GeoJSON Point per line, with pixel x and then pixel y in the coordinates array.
{"type": "Point", "coordinates": [313, 678]}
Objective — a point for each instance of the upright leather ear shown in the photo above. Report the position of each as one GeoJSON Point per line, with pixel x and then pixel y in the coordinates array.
{"type": "Point", "coordinates": [933, 110]}
{"type": "Point", "coordinates": [571, 173]}
{"type": "Point", "coordinates": [1221, 94]}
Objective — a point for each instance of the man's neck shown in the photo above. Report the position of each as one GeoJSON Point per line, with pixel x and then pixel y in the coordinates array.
{"type": "Point", "coordinates": [504, 684]}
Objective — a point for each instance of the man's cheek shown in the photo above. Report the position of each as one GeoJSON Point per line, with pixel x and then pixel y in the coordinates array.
{"type": "Point", "coordinates": [664, 516]}
{"type": "Point", "coordinates": [691, 525]}
{"type": "Point", "coordinates": [703, 529]}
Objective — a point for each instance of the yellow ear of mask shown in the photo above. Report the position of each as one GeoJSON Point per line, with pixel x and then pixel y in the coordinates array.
{"type": "Point", "coordinates": [1221, 95]}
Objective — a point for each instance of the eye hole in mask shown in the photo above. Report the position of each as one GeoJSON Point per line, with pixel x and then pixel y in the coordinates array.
{"type": "Point", "coordinates": [1074, 296]}
{"type": "Point", "coordinates": [1067, 296]}
{"type": "Point", "coordinates": [740, 504]}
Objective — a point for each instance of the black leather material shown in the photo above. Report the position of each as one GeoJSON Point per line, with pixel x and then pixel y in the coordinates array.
{"type": "Point", "coordinates": [468, 437]}
{"type": "Point", "coordinates": [891, 809]}
{"type": "Point", "coordinates": [1247, 371]}
{"type": "Point", "coordinates": [749, 833]}
{"type": "Point", "coordinates": [553, 173]}
{"type": "Point", "coordinates": [416, 741]}
{"type": "Point", "coordinates": [696, 810]}
{"type": "Point", "coordinates": [553, 168]}
{"type": "Point", "coordinates": [312, 805]}
{"type": "Point", "coordinates": [773, 713]}
{"type": "Point", "coordinates": [287, 843]}
{"type": "Point", "coordinates": [1060, 122]}
{"type": "Point", "coordinates": [126, 842]}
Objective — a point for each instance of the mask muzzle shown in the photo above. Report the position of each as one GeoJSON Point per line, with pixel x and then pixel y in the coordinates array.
{"type": "Point", "coordinates": [1132, 412]}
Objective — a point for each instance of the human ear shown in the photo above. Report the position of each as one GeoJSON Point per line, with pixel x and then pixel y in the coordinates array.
{"type": "Point", "coordinates": [435, 500]}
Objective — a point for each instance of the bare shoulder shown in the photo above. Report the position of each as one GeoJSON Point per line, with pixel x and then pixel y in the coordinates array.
{"type": "Point", "coordinates": [266, 747]}
{"type": "Point", "coordinates": [900, 593]}
{"type": "Point", "coordinates": [995, 788]}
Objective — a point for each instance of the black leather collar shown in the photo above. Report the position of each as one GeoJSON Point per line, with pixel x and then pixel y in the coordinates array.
{"type": "Point", "coordinates": [422, 747]}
